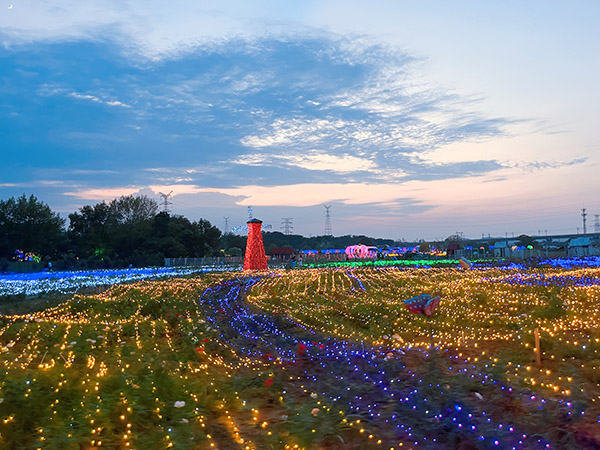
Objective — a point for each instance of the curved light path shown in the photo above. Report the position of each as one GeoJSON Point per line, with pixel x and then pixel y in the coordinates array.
{"type": "Point", "coordinates": [373, 383]}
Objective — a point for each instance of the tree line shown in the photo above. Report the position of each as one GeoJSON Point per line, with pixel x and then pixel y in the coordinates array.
{"type": "Point", "coordinates": [128, 231]}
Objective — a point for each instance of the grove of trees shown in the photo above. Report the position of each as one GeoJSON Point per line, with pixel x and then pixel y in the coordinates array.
{"type": "Point", "coordinates": [126, 231]}
{"type": "Point", "coordinates": [129, 230]}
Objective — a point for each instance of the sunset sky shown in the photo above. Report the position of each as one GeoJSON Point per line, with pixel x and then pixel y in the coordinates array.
{"type": "Point", "coordinates": [412, 119]}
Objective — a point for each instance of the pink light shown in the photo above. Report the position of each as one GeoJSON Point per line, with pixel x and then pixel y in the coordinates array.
{"type": "Point", "coordinates": [360, 252]}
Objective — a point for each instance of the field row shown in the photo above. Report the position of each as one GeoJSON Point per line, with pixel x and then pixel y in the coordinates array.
{"type": "Point", "coordinates": [319, 358]}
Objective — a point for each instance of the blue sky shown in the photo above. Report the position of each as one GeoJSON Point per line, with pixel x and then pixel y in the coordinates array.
{"type": "Point", "coordinates": [414, 120]}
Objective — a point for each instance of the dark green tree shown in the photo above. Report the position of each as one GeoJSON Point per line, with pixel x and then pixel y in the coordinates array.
{"type": "Point", "coordinates": [115, 231]}
{"type": "Point", "coordinates": [134, 210]}
{"type": "Point", "coordinates": [29, 225]}
{"type": "Point", "coordinates": [132, 231]}
{"type": "Point", "coordinates": [233, 241]}
{"type": "Point", "coordinates": [209, 237]}
{"type": "Point", "coordinates": [90, 230]}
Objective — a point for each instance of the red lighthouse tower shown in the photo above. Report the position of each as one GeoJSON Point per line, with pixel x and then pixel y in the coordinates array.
{"type": "Point", "coordinates": [255, 258]}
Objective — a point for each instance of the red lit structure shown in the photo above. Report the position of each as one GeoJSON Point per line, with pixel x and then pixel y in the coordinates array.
{"type": "Point", "coordinates": [255, 258]}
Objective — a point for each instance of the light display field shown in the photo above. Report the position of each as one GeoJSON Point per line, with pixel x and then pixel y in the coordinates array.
{"type": "Point", "coordinates": [316, 358]}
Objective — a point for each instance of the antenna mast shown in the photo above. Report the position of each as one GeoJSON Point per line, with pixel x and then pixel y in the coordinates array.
{"type": "Point", "coordinates": [328, 220]}
{"type": "Point", "coordinates": [226, 219]}
{"type": "Point", "coordinates": [583, 216]}
{"type": "Point", "coordinates": [166, 202]}
{"type": "Point", "coordinates": [286, 225]}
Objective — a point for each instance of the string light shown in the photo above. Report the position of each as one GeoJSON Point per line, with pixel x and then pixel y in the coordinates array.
{"type": "Point", "coordinates": [292, 359]}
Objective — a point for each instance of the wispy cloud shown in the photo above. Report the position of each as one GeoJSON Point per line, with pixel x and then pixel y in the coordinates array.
{"type": "Point", "coordinates": [541, 165]}
{"type": "Point", "coordinates": [47, 90]}
{"type": "Point", "coordinates": [110, 193]}
{"type": "Point", "coordinates": [102, 194]}
{"type": "Point", "coordinates": [314, 161]}
{"type": "Point", "coordinates": [96, 99]}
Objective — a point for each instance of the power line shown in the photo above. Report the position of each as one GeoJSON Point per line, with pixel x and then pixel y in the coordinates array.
{"type": "Point", "coordinates": [328, 220]}
{"type": "Point", "coordinates": [166, 201]}
{"type": "Point", "coordinates": [286, 225]}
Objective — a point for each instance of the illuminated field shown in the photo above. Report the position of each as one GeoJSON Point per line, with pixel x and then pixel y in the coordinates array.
{"type": "Point", "coordinates": [317, 358]}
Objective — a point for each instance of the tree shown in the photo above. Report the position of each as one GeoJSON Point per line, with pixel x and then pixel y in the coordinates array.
{"type": "Point", "coordinates": [133, 210]}
{"type": "Point", "coordinates": [91, 228]}
{"type": "Point", "coordinates": [29, 225]}
{"type": "Point", "coordinates": [230, 241]}
{"type": "Point", "coordinates": [210, 237]}
{"type": "Point", "coordinates": [132, 232]}
{"type": "Point", "coordinates": [114, 230]}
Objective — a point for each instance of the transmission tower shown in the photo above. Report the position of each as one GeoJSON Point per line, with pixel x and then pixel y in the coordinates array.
{"type": "Point", "coordinates": [286, 225]}
{"type": "Point", "coordinates": [226, 219]}
{"type": "Point", "coordinates": [596, 223]}
{"type": "Point", "coordinates": [328, 220]}
{"type": "Point", "coordinates": [166, 202]}
{"type": "Point", "coordinates": [583, 216]}
{"type": "Point", "coordinates": [250, 213]}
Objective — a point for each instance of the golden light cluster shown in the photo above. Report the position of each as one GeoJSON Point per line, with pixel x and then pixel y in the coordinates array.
{"type": "Point", "coordinates": [149, 361]}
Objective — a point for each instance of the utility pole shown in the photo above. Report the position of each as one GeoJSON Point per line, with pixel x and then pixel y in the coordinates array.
{"type": "Point", "coordinates": [583, 216]}
{"type": "Point", "coordinates": [596, 223]}
{"type": "Point", "coordinates": [286, 225]}
{"type": "Point", "coordinates": [166, 202]}
{"type": "Point", "coordinates": [328, 220]}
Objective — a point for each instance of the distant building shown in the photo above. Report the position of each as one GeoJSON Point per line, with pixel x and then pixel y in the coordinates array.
{"type": "Point", "coordinates": [454, 249]}
{"type": "Point", "coordinates": [581, 246]}
{"type": "Point", "coordinates": [501, 249]}
{"type": "Point", "coordinates": [282, 253]}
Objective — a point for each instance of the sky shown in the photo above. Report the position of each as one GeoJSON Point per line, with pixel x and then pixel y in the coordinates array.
{"type": "Point", "coordinates": [413, 120]}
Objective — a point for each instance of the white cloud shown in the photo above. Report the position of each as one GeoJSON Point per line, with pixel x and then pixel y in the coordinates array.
{"type": "Point", "coordinates": [290, 131]}
{"type": "Point", "coordinates": [110, 193]}
{"type": "Point", "coordinates": [177, 189]}
{"type": "Point", "coordinates": [505, 195]}
{"type": "Point", "coordinates": [343, 163]}
{"type": "Point", "coordinates": [96, 99]}
{"type": "Point", "coordinates": [250, 83]}
{"type": "Point", "coordinates": [328, 133]}
{"type": "Point", "coordinates": [151, 28]}
{"type": "Point", "coordinates": [310, 194]}
{"type": "Point", "coordinates": [103, 193]}
{"type": "Point", "coordinates": [47, 90]}
{"type": "Point", "coordinates": [118, 103]}
{"type": "Point", "coordinates": [84, 96]}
